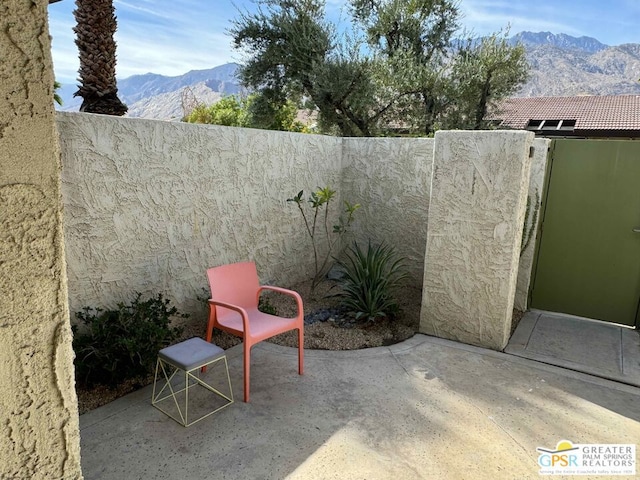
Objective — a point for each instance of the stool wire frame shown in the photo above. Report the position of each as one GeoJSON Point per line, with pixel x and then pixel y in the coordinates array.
{"type": "Point", "coordinates": [188, 376]}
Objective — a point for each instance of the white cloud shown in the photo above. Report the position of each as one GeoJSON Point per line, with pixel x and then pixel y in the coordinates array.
{"type": "Point", "coordinates": [612, 21]}
{"type": "Point", "coordinates": [171, 37]}
{"type": "Point", "coordinates": [168, 55]}
{"type": "Point", "coordinates": [119, 4]}
{"type": "Point", "coordinates": [165, 37]}
{"type": "Point", "coordinates": [487, 16]}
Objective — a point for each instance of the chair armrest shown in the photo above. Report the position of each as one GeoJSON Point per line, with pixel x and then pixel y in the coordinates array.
{"type": "Point", "coordinates": [230, 306]}
{"type": "Point", "coordinates": [285, 291]}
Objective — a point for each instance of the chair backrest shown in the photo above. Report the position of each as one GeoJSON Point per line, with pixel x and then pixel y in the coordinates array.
{"type": "Point", "coordinates": [236, 283]}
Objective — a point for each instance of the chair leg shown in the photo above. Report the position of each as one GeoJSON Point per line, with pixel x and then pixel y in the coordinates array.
{"type": "Point", "coordinates": [300, 351]}
{"type": "Point", "coordinates": [210, 322]}
{"type": "Point", "coordinates": [212, 316]}
{"type": "Point", "coordinates": [247, 366]}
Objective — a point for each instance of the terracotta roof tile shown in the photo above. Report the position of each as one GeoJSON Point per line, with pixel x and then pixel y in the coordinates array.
{"type": "Point", "coordinates": [613, 112]}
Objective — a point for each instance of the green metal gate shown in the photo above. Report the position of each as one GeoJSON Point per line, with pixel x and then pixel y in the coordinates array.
{"type": "Point", "coordinates": [588, 261]}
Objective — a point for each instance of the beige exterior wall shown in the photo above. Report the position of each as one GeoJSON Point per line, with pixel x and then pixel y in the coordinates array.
{"type": "Point", "coordinates": [39, 435]}
{"type": "Point", "coordinates": [478, 199]}
{"type": "Point", "coordinates": [150, 205]}
{"type": "Point", "coordinates": [536, 185]}
{"type": "Point", "coordinates": [391, 179]}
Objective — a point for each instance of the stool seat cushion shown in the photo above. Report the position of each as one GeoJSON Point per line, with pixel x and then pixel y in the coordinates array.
{"type": "Point", "coordinates": [190, 354]}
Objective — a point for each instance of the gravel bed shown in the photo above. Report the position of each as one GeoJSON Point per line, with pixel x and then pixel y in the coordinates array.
{"type": "Point", "coordinates": [327, 327]}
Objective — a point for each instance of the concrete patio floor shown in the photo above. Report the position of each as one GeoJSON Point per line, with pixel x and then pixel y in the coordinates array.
{"type": "Point", "coordinates": [426, 408]}
{"type": "Point", "coordinates": [598, 348]}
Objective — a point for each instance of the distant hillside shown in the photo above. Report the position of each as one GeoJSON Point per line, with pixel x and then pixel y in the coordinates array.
{"type": "Point", "coordinates": [218, 79]}
{"type": "Point", "coordinates": [557, 71]}
{"type": "Point", "coordinates": [172, 105]}
{"type": "Point", "coordinates": [560, 40]}
{"type": "Point", "coordinates": [561, 65]}
{"type": "Point", "coordinates": [161, 97]}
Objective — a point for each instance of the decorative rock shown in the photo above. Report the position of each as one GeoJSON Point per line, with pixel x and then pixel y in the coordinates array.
{"type": "Point", "coordinates": [324, 315]}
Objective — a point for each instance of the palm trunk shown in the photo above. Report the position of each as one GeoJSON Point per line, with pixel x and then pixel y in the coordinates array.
{"type": "Point", "coordinates": [96, 25]}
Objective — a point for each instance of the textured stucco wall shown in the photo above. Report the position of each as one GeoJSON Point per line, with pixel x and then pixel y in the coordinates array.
{"type": "Point", "coordinates": [150, 205]}
{"type": "Point", "coordinates": [39, 434]}
{"type": "Point", "coordinates": [536, 186]}
{"type": "Point", "coordinates": [391, 179]}
{"type": "Point", "coordinates": [478, 198]}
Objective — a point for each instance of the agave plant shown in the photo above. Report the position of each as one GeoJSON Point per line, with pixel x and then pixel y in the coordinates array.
{"type": "Point", "coordinates": [368, 280]}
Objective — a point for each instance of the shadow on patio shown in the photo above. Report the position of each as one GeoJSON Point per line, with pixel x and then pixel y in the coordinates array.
{"type": "Point", "coordinates": [424, 408]}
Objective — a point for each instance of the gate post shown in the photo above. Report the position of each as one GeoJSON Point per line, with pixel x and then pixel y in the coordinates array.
{"type": "Point", "coordinates": [478, 199]}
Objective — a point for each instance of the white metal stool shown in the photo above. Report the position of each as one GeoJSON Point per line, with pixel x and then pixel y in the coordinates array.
{"type": "Point", "coordinates": [189, 357]}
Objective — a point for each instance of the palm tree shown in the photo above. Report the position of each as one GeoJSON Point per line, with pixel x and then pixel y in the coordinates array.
{"type": "Point", "coordinates": [96, 24]}
{"type": "Point", "coordinates": [56, 96]}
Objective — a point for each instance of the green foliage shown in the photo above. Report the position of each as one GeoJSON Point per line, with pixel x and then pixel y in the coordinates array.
{"type": "Point", "coordinates": [484, 72]}
{"type": "Point", "coordinates": [319, 200]}
{"type": "Point", "coordinates": [423, 28]}
{"type": "Point", "coordinates": [228, 111]}
{"type": "Point", "coordinates": [121, 344]}
{"type": "Point", "coordinates": [293, 53]}
{"type": "Point", "coordinates": [265, 306]}
{"type": "Point", "coordinates": [399, 66]}
{"type": "Point", "coordinates": [369, 278]}
{"type": "Point", "coordinates": [56, 96]}
{"type": "Point", "coordinates": [254, 111]}
{"type": "Point", "coordinates": [414, 38]}
{"type": "Point", "coordinates": [204, 296]}
{"type": "Point", "coordinates": [271, 114]}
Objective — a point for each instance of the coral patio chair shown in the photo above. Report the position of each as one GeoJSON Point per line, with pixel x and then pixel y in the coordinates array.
{"type": "Point", "coordinates": [233, 308]}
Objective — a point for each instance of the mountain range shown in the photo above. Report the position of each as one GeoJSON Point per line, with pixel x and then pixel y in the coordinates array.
{"type": "Point", "coordinates": [561, 65]}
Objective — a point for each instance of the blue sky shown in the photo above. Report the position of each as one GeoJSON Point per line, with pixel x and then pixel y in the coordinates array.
{"type": "Point", "coordinates": [171, 37]}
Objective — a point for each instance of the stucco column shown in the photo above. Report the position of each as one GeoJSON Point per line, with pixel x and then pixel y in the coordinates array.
{"type": "Point", "coordinates": [476, 211]}
{"type": "Point", "coordinates": [39, 432]}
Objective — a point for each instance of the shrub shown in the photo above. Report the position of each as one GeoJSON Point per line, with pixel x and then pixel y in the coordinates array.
{"type": "Point", "coordinates": [265, 306]}
{"type": "Point", "coordinates": [318, 200]}
{"type": "Point", "coordinates": [369, 278]}
{"type": "Point", "coordinates": [122, 344]}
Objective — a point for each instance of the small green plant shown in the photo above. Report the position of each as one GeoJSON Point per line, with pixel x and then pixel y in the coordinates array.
{"type": "Point", "coordinates": [369, 278]}
{"type": "Point", "coordinates": [265, 306]}
{"type": "Point", "coordinates": [121, 344]}
{"type": "Point", "coordinates": [204, 296]}
{"type": "Point", "coordinates": [318, 200]}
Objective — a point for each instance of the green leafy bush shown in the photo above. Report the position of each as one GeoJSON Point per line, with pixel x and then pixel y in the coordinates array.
{"type": "Point", "coordinates": [368, 280]}
{"type": "Point", "coordinates": [122, 344]}
{"type": "Point", "coordinates": [265, 306]}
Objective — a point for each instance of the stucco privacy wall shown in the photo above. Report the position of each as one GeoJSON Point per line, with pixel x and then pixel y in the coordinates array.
{"type": "Point", "coordinates": [536, 185]}
{"type": "Point", "coordinates": [391, 179]}
{"type": "Point", "coordinates": [478, 199]}
{"type": "Point", "coordinates": [150, 205]}
{"type": "Point", "coordinates": [39, 433]}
